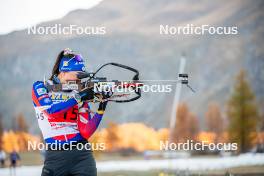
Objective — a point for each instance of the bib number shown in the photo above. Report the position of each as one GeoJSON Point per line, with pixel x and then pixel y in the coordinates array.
{"type": "Point", "coordinates": [71, 114]}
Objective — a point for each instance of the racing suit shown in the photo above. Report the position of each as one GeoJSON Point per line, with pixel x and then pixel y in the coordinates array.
{"type": "Point", "coordinates": [64, 120]}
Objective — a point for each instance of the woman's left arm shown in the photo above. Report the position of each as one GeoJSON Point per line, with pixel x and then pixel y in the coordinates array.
{"type": "Point", "coordinates": [87, 125]}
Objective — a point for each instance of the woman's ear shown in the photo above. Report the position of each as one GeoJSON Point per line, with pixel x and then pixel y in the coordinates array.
{"type": "Point", "coordinates": [61, 76]}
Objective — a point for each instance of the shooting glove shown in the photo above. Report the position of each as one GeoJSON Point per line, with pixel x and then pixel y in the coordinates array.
{"type": "Point", "coordinates": [87, 94]}
{"type": "Point", "coordinates": [103, 104]}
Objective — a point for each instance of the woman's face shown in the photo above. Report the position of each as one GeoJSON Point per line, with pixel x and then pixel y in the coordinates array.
{"type": "Point", "coordinates": [68, 76]}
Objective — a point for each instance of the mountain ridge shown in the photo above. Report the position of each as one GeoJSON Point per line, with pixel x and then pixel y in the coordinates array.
{"type": "Point", "coordinates": [133, 38]}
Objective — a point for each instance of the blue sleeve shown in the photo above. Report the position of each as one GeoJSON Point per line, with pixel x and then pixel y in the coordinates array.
{"type": "Point", "coordinates": [41, 97]}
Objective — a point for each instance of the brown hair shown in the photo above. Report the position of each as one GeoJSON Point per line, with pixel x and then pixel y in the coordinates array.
{"type": "Point", "coordinates": [55, 69]}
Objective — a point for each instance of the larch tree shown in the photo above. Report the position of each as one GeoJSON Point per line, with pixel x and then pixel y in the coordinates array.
{"type": "Point", "coordinates": [242, 114]}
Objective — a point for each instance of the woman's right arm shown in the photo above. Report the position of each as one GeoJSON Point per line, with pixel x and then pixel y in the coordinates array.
{"type": "Point", "coordinates": [42, 99]}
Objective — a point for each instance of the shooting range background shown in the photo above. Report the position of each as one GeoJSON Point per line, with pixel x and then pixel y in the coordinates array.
{"type": "Point", "coordinates": [132, 38]}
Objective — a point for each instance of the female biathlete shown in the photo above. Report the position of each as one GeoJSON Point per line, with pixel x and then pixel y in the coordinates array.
{"type": "Point", "coordinates": [65, 120]}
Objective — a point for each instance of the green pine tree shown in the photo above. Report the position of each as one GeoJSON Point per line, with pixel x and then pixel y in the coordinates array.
{"type": "Point", "coordinates": [243, 115]}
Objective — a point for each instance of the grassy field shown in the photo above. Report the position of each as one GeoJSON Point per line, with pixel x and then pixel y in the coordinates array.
{"type": "Point", "coordinates": [31, 158]}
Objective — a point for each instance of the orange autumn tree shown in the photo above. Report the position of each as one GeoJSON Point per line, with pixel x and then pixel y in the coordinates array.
{"type": "Point", "coordinates": [187, 125]}
{"type": "Point", "coordinates": [21, 130]}
{"type": "Point", "coordinates": [112, 136]}
{"type": "Point", "coordinates": [193, 126]}
{"type": "Point", "coordinates": [136, 136]}
{"type": "Point", "coordinates": [214, 121]}
{"type": "Point", "coordinates": [18, 138]}
{"type": "Point", "coordinates": [1, 131]}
